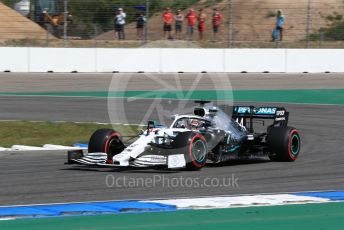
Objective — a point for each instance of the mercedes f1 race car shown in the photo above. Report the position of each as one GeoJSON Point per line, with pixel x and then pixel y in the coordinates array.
{"type": "Point", "coordinates": [208, 135]}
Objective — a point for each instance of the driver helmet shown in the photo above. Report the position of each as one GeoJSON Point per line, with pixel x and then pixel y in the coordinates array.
{"type": "Point", "coordinates": [194, 123]}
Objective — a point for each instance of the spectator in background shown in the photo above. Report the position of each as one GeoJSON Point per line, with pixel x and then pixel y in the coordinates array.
{"type": "Point", "coordinates": [201, 23]}
{"type": "Point", "coordinates": [179, 18]}
{"type": "Point", "coordinates": [168, 20]}
{"type": "Point", "coordinates": [217, 17]}
{"type": "Point", "coordinates": [119, 20]}
{"type": "Point", "coordinates": [191, 18]}
{"type": "Point", "coordinates": [278, 33]}
{"type": "Point", "coordinates": [140, 25]}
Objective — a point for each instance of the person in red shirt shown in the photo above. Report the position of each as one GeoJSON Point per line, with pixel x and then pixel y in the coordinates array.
{"type": "Point", "coordinates": [201, 23]}
{"type": "Point", "coordinates": [217, 18]}
{"type": "Point", "coordinates": [168, 21]}
{"type": "Point", "coordinates": [191, 19]}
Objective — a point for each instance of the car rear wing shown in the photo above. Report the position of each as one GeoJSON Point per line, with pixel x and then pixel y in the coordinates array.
{"type": "Point", "coordinates": [244, 113]}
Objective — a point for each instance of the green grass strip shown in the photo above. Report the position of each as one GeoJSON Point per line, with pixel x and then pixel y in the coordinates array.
{"type": "Point", "coordinates": [299, 96]}
{"type": "Point", "coordinates": [59, 133]}
{"type": "Point", "coordinates": [306, 217]}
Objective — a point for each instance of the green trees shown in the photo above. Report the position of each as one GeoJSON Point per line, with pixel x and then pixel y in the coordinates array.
{"type": "Point", "coordinates": [99, 13]}
{"type": "Point", "coordinates": [336, 29]}
{"type": "Point", "coordinates": [91, 15]}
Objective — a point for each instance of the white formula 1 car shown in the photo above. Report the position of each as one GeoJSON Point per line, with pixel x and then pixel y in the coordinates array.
{"type": "Point", "coordinates": [207, 136]}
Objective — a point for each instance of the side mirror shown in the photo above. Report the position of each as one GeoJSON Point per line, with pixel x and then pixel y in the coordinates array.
{"type": "Point", "coordinates": [151, 125]}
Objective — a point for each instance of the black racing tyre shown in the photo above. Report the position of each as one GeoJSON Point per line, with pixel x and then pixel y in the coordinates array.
{"type": "Point", "coordinates": [106, 141]}
{"type": "Point", "coordinates": [284, 143]}
{"type": "Point", "coordinates": [194, 147]}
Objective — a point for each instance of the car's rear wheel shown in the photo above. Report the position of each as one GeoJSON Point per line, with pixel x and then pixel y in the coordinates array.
{"type": "Point", "coordinates": [106, 141]}
{"type": "Point", "coordinates": [284, 144]}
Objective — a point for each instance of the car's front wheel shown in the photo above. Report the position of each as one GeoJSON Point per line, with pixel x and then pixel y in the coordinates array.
{"type": "Point", "coordinates": [106, 141]}
{"type": "Point", "coordinates": [194, 147]}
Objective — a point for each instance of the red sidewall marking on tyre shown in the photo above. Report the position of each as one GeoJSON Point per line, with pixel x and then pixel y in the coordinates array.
{"type": "Point", "coordinates": [108, 141]}
{"type": "Point", "coordinates": [193, 160]}
{"type": "Point", "coordinates": [292, 156]}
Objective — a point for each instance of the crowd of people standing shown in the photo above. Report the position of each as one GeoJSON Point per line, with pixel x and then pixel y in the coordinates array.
{"type": "Point", "coordinates": [172, 22]}
{"type": "Point", "coordinates": [192, 19]}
